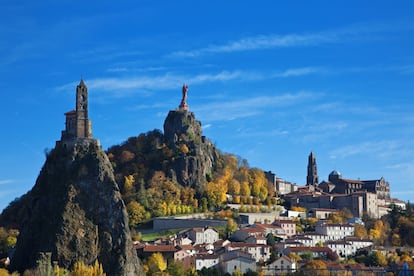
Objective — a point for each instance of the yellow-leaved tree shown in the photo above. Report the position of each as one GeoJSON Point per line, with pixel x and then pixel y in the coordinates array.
{"type": "Point", "coordinates": [216, 192]}
{"type": "Point", "coordinates": [156, 263]}
{"type": "Point", "coordinates": [136, 213]}
{"type": "Point", "coordinates": [129, 184]}
{"type": "Point", "coordinates": [360, 231]}
{"type": "Point", "coordinates": [379, 232]}
{"type": "Point", "coordinates": [315, 268]}
{"type": "Point", "coordinates": [80, 269]}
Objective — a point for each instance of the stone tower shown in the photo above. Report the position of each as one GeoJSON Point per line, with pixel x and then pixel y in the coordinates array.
{"type": "Point", "coordinates": [78, 125]}
{"type": "Point", "coordinates": [312, 178]}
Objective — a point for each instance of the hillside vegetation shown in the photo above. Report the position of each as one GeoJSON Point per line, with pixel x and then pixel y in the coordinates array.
{"type": "Point", "coordinates": [144, 171]}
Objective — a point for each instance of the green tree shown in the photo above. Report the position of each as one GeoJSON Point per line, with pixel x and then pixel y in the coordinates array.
{"type": "Point", "coordinates": [176, 268]}
{"type": "Point", "coordinates": [270, 239]}
{"type": "Point", "coordinates": [376, 258]}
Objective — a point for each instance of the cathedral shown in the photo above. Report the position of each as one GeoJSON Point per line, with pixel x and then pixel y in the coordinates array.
{"type": "Point", "coordinates": [359, 196]}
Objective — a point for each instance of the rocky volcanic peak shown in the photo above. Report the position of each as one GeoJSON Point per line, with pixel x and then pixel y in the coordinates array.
{"type": "Point", "coordinates": [198, 155]}
{"type": "Point", "coordinates": [75, 211]}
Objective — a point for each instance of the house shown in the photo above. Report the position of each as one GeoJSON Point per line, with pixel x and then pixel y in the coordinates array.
{"type": "Point", "coordinates": [317, 252]}
{"type": "Point", "coordinates": [167, 250]}
{"type": "Point", "coordinates": [340, 247]}
{"type": "Point", "coordinates": [206, 260]}
{"type": "Point", "coordinates": [261, 239]}
{"type": "Point", "coordinates": [334, 231]}
{"type": "Point", "coordinates": [203, 235]}
{"type": "Point", "coordinates": [237, 260]}
{"type": "Point", "coordinates": [260, 252]}
{"type": "Point", "coordinates": [182, 241]}
{"type": "Point", "coordinates": [184, 257]}
{"type": "Point", "coordinates": [250, 218]}
{"type": "Point", "coordinates": [191, 250]}
{"type": "Point", "coordinates": [288, 225]}
{"type": "Point", "coordinates": [317, 238]}
{"type": "Point", "coordinates": [358, 243]}
{"type": "Point", "coordinates": [243, 234]}
{"type": "Point", "coordinates": [287, 243]}
{"type": "Point", "coordinates": [301, 239]}
{"type": "Point", "coordinates": [276, 230]}
{"type": "Point", "coordinates": [283, 264]}
{"type": "Point", "coordinates": [321, 213]}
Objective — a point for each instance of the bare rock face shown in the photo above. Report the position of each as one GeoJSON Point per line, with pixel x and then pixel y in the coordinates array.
{"type": "Point", "coordinates": [197, 155]}
{"type": "Point", "coordinates": [75, 211]}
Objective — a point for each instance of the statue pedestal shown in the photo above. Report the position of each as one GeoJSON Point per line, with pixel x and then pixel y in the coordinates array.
{"type": "Point", "coordinates": [183, 107]}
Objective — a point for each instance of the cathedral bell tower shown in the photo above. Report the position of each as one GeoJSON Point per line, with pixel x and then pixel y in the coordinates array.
{"type": "Point", "coordinates": [312, 178]}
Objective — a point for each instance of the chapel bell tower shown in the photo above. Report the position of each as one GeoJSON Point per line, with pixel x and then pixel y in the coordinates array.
{"type": "Point", "coordinates": [84, 128]}
{"type": "Point", "coordinates": [78, 125]}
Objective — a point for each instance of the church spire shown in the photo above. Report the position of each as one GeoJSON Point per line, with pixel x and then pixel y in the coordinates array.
{"type": "Point", "coordinates": [312, 178]}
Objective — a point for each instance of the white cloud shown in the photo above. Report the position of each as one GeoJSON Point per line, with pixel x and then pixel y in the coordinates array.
{"type": "Point", "coordinates": [124, 86]}
{"type": "Point", "coordinates": [6, 181]}
{"type": "Point", "coordinates": [242, 108]}
{"type": "Point", "coordinates": [117, 69]}
{"type": "Point", "coordinates": [379, 149]}
{"type": "Point", "coordinates": [271, 41]}
{"type": "Point", "coordinates": [295, 72]}
{"type": "Point", "coordinates": [162, 82]}
{"type": "Point", "coordinates": [259, 42]}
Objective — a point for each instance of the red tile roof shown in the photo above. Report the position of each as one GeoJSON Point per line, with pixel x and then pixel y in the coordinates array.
{"type": "Point", "coordinates": [310, 248]}
{"type": "Point", "coordinates": [160, 248]}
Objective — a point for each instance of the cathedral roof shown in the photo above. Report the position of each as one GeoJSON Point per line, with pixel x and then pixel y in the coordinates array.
{"type": "Point", "coordinates": [335, 172]}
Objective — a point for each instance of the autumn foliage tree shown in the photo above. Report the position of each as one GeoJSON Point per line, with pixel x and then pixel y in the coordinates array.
{"type": "Point", "coordinates": [156, 263]}
{"type": "Point", "coordinates": [144, 168]}
{"type": "Point", "coordinates": [136, 213]}
{"type": "Point", "coordinates": [80, 269]}
{"type": "Point", "coordinates": [315, 268]}
{"type": "Point", "coordinates": [379, 232]}
{"type": "Point", "coordinates": [360, 231]}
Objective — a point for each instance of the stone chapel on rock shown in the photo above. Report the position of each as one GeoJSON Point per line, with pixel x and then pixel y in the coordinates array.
{"type": "Point", "coordinates": [78, 127]}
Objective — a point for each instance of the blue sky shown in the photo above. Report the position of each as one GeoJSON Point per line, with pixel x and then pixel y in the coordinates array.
{"type": "Point", "coordinates": [269, 80]}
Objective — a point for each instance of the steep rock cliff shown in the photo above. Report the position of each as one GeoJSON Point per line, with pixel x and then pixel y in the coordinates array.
{"type": "Point", "coordinates": [197, 156]}
{"type": "Point", "coordinates": [75, 211]}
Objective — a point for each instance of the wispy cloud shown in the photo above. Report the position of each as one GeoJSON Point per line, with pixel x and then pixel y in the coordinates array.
{"type": "Point", "coordinates": [295, 72]}
{"type": "Point", "coordinates": [259, 42]}
{"type": "Point", "coordinates": [162, 82]}
{"type": "Point", "coordinates": [353, 32]}
{"type": "Point", "coordinates": [6, 181]}
{"type": "Point", "coordinates": [242, 108]}
{"type": "Point", "coordinates": [379, 149]}
{"type": "Point", "coordinates": [171, 80]}
{"type": "Point", "coordinates": [406, 69]}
